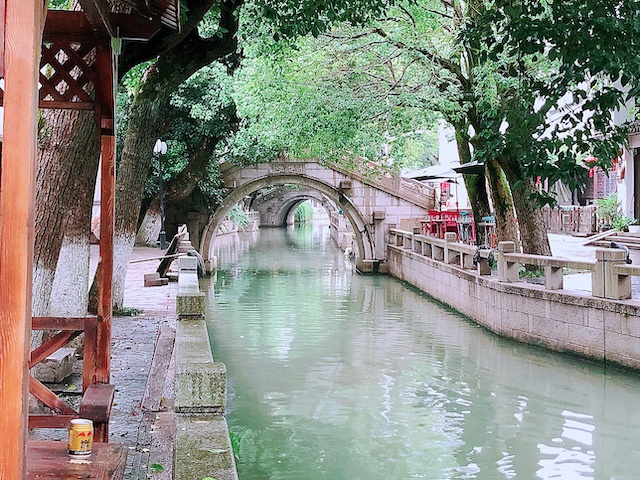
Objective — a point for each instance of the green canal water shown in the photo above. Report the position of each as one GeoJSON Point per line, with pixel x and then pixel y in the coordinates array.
{"type": "Point", "coordinates": [333, 375]}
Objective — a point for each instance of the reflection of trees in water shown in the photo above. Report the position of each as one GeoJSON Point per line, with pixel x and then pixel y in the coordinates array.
{"type": "Point", "coordinates": [371, 378]}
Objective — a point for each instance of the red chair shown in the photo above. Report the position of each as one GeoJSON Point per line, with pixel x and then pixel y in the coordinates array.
{"type": "Point", "coordinates": [450, 223]}
{"type": "Point", "coordinates": [433, 225]}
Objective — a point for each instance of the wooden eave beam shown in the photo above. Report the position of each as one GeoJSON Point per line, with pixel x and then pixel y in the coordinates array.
{"type": "Point", "coordinates": [136, 28]}
{"type": "Point", "coordinates": [143, 8]}
{"type": "Point", "coordinates": [75, 26]}
{"type": "Point", "coordinates": [69, 26]}
{"type": "Point", "coordinates": [99, 15]}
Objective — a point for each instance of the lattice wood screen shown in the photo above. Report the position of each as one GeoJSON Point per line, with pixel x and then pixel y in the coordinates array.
{"type": "Point", "coordinates": [67, 75]}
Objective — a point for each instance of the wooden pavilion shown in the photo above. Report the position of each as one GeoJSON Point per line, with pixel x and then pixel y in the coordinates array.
{"type": "Point", "coordinates": [57, 59]}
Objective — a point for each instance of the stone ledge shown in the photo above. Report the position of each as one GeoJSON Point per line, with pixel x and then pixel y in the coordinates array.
{"type": "Point", "coordinates": [56, 367]}
{"type": "Point", "coordinates": [203, 448]}
{"type": "Point", "coordinates": [191, 305]}
{"type": "Point", "coordinates": [201, 388]}
{"type": "Point", "coordinates": [564, 321]}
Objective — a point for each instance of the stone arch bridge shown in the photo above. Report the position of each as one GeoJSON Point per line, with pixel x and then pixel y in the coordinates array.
{"type": "Point", "coordinates": [372, 202]}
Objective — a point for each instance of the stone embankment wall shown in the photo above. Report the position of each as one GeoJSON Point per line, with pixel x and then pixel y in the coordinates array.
{"type": "Point", "coordinates": [561, 320]}
{"type": "Point", "coordinates": [203, 446]}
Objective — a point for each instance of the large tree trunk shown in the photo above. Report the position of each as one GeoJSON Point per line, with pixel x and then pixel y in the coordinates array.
{"type": "Point", "coordinates": [506, 227]}
{"type": "Point", "coordinates": [533, 232]}
{"type": "Point", "coordinates": [475, 184]}
{"type": "Point", "coordinates": [70, 292]}
{"type": "Point", "coordinates": [60, 162]}
{"type": "Point", "coordinates": [146, 124]}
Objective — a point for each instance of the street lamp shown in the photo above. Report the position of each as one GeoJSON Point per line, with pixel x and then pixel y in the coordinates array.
{"type": "Point", "coordinates": [160, 148]}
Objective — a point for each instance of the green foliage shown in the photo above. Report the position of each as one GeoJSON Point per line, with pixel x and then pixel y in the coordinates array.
{"type": "Point", "coordinates": [536, 272]}
{"type": "Point", "coordinates": [201, 111]}
{"type": "Point", "coordinates": [289, 19]}
{"type": "Point", "coordinates": [608, 210]}
{"type": "Point", "coordinates": [156, 468]}
{"type": "Point", "coordinates": [126, 312]}
{"type": "Point", "coordinates": [622, 223]}
{"type": "Point", "coordinates": [210, 191]}
{"type": "Point", "coordinates": [238, 216]}
{"type": "Point", "coordinates": [235, 445]}
{"type": "Point", "coordinates": [306, 100]}
{"type": "Point", "coordinates": [570, 58]}
{"type": "Point", "coordinates": [60, 4]}
{"type": "Point", "coordinates": [303, 213]}
{"type": "Point", "coordinates": [132, 79]}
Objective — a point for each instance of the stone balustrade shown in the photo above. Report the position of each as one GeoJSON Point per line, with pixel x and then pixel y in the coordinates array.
{"type": "Point", "coordinates": [603, 324]}
{"type": "Point", "coordinates": [610, 275]}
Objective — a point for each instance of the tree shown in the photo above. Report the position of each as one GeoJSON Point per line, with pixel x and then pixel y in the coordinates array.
{"type": "Point", "coordinates": [299, 101]}
{"type": "Point", "coordinates": [593, 70]}
{"type": "Point", "coordinates": [69, 155]}
{"type": "Point", "coordinates": [202, 112]}
{"type": "Point", "coordinates": [476, 95]}
{"type": "Point", "coordinates": [177, 63]}
{"type": "Point", "coordinates": [410, 62]}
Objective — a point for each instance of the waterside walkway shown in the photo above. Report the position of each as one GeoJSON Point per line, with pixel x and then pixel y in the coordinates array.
{"type": "Point", "coordinates": [149, 434]}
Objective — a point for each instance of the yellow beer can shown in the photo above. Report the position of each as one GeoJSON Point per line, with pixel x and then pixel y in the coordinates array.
{"type": "Point", "coordinates": [80, 437]}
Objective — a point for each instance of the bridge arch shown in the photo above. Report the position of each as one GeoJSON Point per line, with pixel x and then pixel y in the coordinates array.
{"type": "Point", "coordinates": [363, 235]}
{"type": "Point", "coordinates": [278, 210]}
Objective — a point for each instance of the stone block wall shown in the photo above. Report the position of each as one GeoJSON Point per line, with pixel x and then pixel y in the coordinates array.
{"type": "Point", "coordinates": [564, 321]}
{"type": "Point", "coordinates": [203, 447]}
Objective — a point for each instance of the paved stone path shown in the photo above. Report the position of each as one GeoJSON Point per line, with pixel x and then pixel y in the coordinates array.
{"type": "Point", "coordinates": [572, 247]}
{"type": "Point", "coordinates": [148, 435]}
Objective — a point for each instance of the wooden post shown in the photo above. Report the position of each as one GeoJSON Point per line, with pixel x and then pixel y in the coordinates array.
{"type": "Point", "coordinates": [23, 22]}
{"type": "Point", "coordinates": [104, 104]}
{"type": "Point", "coordinates": [105, 281]}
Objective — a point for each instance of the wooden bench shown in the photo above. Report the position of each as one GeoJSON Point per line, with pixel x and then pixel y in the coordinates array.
{"type": "Point", "coordinates": [97, 397]}
{"type": "Point", "coordinates": [48, 460]}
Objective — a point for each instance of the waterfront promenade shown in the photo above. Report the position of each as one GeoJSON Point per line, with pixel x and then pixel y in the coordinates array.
{"type": "Point", "coordinates": [148, 434]}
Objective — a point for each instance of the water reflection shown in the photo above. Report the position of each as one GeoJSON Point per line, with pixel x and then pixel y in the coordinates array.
{"type": "Point", "coordinates": [340, 376]}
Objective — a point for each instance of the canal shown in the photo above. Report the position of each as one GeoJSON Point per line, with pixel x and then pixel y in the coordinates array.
{"type": "Point", "coordinates": [333, 375]}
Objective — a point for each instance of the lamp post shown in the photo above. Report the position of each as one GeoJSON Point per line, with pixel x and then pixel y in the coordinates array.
{"type": "Point", "coordinates": [159, 149]}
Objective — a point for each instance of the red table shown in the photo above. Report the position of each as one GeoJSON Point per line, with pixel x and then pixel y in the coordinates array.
{"type": "Point", "coordinates": [48, 460]}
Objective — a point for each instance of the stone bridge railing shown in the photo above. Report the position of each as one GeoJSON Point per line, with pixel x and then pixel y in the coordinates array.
{"type": "Point", "coordinates": [603, 324]}
{"type": "Point", "coordinates": [408, 189]}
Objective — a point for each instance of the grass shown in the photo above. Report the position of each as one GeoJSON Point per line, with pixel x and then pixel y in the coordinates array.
{"type": "Point", "coordinates": [126, 312]}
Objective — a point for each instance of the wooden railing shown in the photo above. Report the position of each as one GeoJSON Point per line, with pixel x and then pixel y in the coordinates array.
{"type": "Point", "coordinates": [610, 275]}
{"type": "Point", "coordinates": [97, 397]}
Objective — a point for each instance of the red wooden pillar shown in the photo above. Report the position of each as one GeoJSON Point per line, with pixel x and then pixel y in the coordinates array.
{"type": "Point", "coordinates": [105, 107]}
{"type": "Point", "coordinates": [23, 21]}
{"type": "Point", "coordinates": [107, 190]}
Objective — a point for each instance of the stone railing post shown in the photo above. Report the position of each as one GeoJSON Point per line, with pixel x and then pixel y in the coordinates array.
{"type": "Point", "coordinates": [449, 255]}
{"type": "Point", "coordinates": [605, 282]}
{"type": "Point", "coordinates": [416, 243]}
{"type": "Point", "coordinates": [437, 252]}
{"type": "Point", "coordinates": [190, 301]}
{"type": "Point", "coordinates": [507, 270]}
{"type": "Point", "coordinates": [483, 266]}
{"type": "Point", "coordinates": [466, 261]}
{"type": "Point", "coordinates": [427, 249]}
{"type": "Point", "coordinates": [553, 277]}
